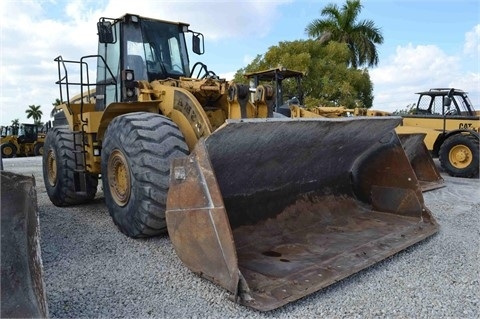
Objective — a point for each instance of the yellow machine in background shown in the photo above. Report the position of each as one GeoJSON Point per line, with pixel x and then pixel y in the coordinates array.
{"type": "Point", "coordinates": [24, 140]}
{"type": "Point", "coordinates": [270, 208]}
{"type": "Point", "coordinates": [447, 119]}
{"type": "Point", "coordinates": [452, 127]}
{"type": "Point", "coordinates": [445, 116]}
{"type": "Point", "coordinates": [421, 161]}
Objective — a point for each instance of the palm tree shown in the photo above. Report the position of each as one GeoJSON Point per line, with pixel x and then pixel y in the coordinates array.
{"type": "Point", "coordinates": [341, 25]}
{"type": "Point", "coordinates": [15, 126]}
{"type": "Point", "coordinates": [54, 104]}
{"type": "Point", "coordinates": [34, 112]}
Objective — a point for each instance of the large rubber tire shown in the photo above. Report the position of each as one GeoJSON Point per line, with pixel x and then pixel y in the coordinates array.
{"type": "Point", "coordinates": [459, 155]}
{"type": "Point", "coordinates": [136, 156]}
{"type": "Point", "coordinates": [38, 149]}
{"type": "Point", "coordinates": [58, 170]}
{"type": "Point", "coordinates": [9, 150]}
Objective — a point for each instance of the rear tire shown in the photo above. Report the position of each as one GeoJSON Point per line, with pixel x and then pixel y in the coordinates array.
{"type": "Point", "coordinates": [459, 155]}
{"type": "Point", "coordinates": [58, 170]}
{"type": "Point", "coordinates": [136, 156]}
{"type": "Point", "coordinates": [9, 150]}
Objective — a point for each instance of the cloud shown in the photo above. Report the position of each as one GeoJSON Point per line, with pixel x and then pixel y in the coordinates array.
{"type": "Point", "coordinates": [227, 76]}
{"type": "Point", "coordinates": [472, 42]}
{"type": "Point", "coordinates": [416, 68]}
{"type": "Point", "coordinates": [415, 65]}
{"type": "Point", "coordinates": [215, 19]}
{"type": "Point", "coordinates": [30, 40]}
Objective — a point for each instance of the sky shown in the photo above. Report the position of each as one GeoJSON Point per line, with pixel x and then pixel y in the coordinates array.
{"type": "Point", "coordinates": [427, 43]}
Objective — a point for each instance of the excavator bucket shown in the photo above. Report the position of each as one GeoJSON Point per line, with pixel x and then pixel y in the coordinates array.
{"type": "Point", "coordinates": [276, 209]}
{"type": "Point", "coordinates": [421, 161]}
{"type": "Point", "coordinates": [23, 289]}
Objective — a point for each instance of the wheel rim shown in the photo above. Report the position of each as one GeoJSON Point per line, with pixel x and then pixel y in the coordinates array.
{"type": "Point", "coordinates": [51, 168]}
{"type": "Point", "coordinates": [7, 151]}
{"type": "Point", "coordinates": [119, 178]}
{"type": "Point", "coordinates": [460, 156]}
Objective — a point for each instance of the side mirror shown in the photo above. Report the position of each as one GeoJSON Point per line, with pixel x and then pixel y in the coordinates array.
{"type": "Point", "coordinates": [447, 101]}
{"type": "Point", "coordinates": [105, 32]}
{"type": "Point", "coordinates": [197, 43]}
{"type": "Point", "coordinates": [450, 93]}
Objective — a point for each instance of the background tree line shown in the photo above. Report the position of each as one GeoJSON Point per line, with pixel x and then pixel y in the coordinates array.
{"type": "Point", "coordinates": [331, 59]}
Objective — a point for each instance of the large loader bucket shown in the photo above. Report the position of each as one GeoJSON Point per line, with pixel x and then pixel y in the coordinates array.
{"type": "Point", "coordinates": [23, 289]}
{"type": "Point", "coordinates": [276, 209]}
{"type": "Point", "coordinates": [421, 161]}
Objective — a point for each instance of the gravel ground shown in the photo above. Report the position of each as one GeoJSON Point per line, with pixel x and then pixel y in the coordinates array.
{"type": "Point", "coordinates": [92, 270]}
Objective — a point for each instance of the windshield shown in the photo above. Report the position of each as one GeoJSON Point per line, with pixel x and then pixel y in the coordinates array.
{"type": "Point", "coordinates": [159, 52]}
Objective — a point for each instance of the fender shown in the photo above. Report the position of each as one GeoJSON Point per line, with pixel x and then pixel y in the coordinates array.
{"type": "Point", "coordinates": [442, 137]}
{"type": "Point", "coordinates": [115, 109]}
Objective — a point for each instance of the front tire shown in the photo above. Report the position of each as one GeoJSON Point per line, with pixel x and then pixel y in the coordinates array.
{"type": "Point", "coordinates": [38, 149]}
{"type": "Point", "coordinates": [459, 155]}
{"type": "Point", "coordinates": [9, 150]}
{"type": "Point", "coordinates": [59, 170]}
{"type": "Point", "coordinates": [136, 155]}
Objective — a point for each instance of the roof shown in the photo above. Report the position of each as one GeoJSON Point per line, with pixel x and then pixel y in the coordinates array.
{"type": "Point", "coordinates": [129, 15]}
{"type": "Point", "coordinates": [442, 91]}
{"type": "Point", "coordinates": [269, 74]}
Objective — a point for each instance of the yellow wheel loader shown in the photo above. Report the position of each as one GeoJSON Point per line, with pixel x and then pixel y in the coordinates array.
{"type": "Point", "coordinates": [24, 140]}
{"type": "Point", "coordinates": [270, 208]}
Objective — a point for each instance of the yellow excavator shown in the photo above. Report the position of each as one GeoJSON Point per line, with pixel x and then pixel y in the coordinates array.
{"type": "Point", "coordinates": [269, 207]}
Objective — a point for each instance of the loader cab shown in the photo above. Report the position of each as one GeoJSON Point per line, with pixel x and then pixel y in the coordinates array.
{"type": "Point", "coordinates": [9, 131]}
{"type": "Point", "coordinates": [6, 130]}
{"type": "Point", "coordinates": [134, 48]}
{"type": "Point", "coordinates": [285, 82]}
{"type": "Point", "coordinates": [27, 133]}
{"type": "Point", "coordinates": [444, 102]}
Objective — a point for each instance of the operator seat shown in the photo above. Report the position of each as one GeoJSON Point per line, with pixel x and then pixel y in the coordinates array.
{"type": "Point", "coordinates": [137, 64]}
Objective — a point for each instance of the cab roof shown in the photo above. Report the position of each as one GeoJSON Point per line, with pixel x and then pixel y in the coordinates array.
{"type": "Point", "coordinates": [441, 91]}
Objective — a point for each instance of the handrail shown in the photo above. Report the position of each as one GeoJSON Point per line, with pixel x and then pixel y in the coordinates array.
{"type": "Point", "coordinates": [63, 80]}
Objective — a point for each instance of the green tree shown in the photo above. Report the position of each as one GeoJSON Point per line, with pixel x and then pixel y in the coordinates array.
{"type": "Point", "coordinates": [15, 122]}
{"type": "Point", "coordinates": [341, 25]}
{"type": "Point", "coordinates": [34, 112]}
{"type": "Point", "coordinates": [54, 104]}
{"type": "Point", "coordinates": [328, 81]}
